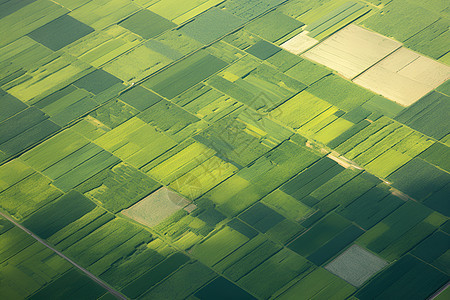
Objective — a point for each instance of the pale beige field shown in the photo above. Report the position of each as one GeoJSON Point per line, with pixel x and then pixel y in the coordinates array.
{"type": "Point", "coordinates": [352, 50]}
{"type": "Point", "coordinates": [299, 43]}
{"type": "Point", "coordinates": [404, 76]}
{"type": "Point", "coordinates": [156, 207]}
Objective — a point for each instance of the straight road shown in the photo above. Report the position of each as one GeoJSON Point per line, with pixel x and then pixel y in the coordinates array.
{"type": "Point", "coordinates": [92, 276]}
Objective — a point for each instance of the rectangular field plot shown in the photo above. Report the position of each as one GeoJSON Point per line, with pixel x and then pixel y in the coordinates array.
{"type": "Point", "coordinates": [147, 24]}
{"type": "Point", "coordinates": [352, 50]}
{"type": "Point", "coordinates": [335, 19]}
{"type": "Point", "coordinates": [102, 46]}
{"type": "Point", "coordinates": [319, 284]}
{"type": "Point", "coordinates": [428, 115]}
{"type": "Point", "coordinates": [299, 43]}
{"type": "Point", "coordinates": [356, 265]}
{"type": "Point", "coordinates": [211, 25]}
{"type": "Point", "coordinates": [119, 187]}
{"type": "Point", "coordinates": [222, 288]}
{"type": "Point", "coordinates": [60, 32]}
{"type": "Point", "coordinates": [55, 216]}
{"type": "Point", "coordinates": [10, 105]}
{"type": "Point", "coordinates": [179, 12]}
{"type": "Point", "coordinates": [128, 143]}
{"type": "Point", "coordinates": [273, 26]}
{"type": "Point", "coordinates": [249, 9]}
{"type": "Point", "coordinates": [184, 74]}
{"type": "Point", "coordinates": [407, 278]}
{"type": "Point", "coordinates": [154, 208]}
{"type": "Point", "coordinates": [404, 76]}
{"type": "Point", "coordinates": [99, 14]}
{"type": "Point", "coordinates": [137, 64]}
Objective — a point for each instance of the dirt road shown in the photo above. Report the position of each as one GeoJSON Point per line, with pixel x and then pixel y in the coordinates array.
{"type": "Point", "coordinates": [92, 276]}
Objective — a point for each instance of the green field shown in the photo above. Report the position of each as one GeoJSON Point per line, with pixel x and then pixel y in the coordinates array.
{"type": "Point", "coordinates": [224, 149]}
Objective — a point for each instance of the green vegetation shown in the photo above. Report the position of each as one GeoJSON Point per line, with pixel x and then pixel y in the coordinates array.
{"type": "Point", "coordinates": [147, 24]}
{"type": "Point", "coordinates": [194, 150]}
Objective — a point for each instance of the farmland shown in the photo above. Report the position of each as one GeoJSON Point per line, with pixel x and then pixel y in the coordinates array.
{"type": "Point", "coordinates": [224, 149]}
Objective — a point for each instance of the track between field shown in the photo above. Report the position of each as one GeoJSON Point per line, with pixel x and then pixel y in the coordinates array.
{"type": "Point", "coordinates": [89, 274]}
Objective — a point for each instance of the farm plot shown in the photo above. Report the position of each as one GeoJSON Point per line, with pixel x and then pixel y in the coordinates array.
{"type": "Point", "coordinates": [262, 50]}
{"type": "Point", "coordinates": [340, 92]}
{"type": "Point", "coordinates": [393, 21]}
{"type": "Point", "coordinates": [221, 288]}
{"type": "Point", "coordinates": [71, 284]}
{"type": "Point", "coordinates": [433, 250]}
{"type": "Point", "coordinates": [49, 75]}
{"type": "Point", "coordinates": [249, 9]}
{"type": "Point", "coordinates": [176, 43]}
{"type": "Point", "coordinates": [27, 265]}
{"type": "Point", "coordinates": [137, 64]}
{"type": "Point", "coordinates": [336, 19]}
{"type": "Point", "coordinates": [184, 74]}
{"type": "Point", "coordinates": [181, 12]}
{"type": "Point", "coordinates": [428, 115]}
{"type": "Point", "coordinates": [28, 195]}
{"type": "Point", "coordinates": [102, 46]}
{"type": "Point", "coordinates": [168, 117]}
{"type": "Point", "coordinates": [259, 86]}
{"type": "Point", "coordinates": [299, 43]}
{"type": "Point", "coordinates": [407, 278]}
{"type": "Point", "coordinates": [319, 234]}
{"type": "Point", "coordinates": [10, 105]}
{"type": "Point", "coordinates": [139, 97]}
{"type": "Point", "coordinates": [135, 142]}
{"type": "Point", "coordinates": [352, 50]}
{"type": "Point", "coordinates": [419, 179]}
{"type": "Point", "coordinates": [155, 275]}
{"type": "Point", "coordinates": [319, 284]}
{"type": "Point", "coordinates": [100, 14]}
{"type": "Point", "coordinates": [356, 265]}
{"type": "Point", "coordinates": [273, 26]}
{"type": "Point", "coordinates": [113, 113]}
{"type": "Point", "coordinates": [260, 178]}
{"type": "Point", "coordinates": [147, 24]}
{"type": "Point", "coordinates": [182, 283]}
{"type": "Point", "coordinates": [404, 76]}
{"type": "Point", "coordinates": [107, 244]}
{"type": "Point", "coordinates": [274, 273]}
{"type": "Point", "coordinates": [58, 214]}
{"type": "Point", "coordinates": [67, 104]}
{"type": "Point", "coordinates": [228, 138]}
{"type": "Point", "coordinates": [60, 32]}
{"type": "Point", "coordinates": [207, 103]}
{"type": "Point", "coordinates": [154, 208]}
{"type": "Point", "coordinates": [28, 18]}
{"type": "Point", "coordinates": [118, 187]}
{"type": "Point", "coordinates": [379, 238]}
{"type": "Point", "coordinates": [211, 25]}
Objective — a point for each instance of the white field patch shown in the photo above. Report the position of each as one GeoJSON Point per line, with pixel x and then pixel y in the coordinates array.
{"type": "Point", "coordinates": [157, 206]}
{"type": "Point", "coordinates": [356, 265]}
{"type": "Point", "coordinates": [352, 50]}
{"type": "Point", "coordinates": [404, 76]}
{"type": "Point", "coordinates": [299, 43]}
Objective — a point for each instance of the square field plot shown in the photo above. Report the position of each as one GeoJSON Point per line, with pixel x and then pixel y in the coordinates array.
{"type": "Point", "coordinates": [352, 50]}
{"type": "Point", "coordinates": [404, 76]}
{"type": "Point", "coordinates": [147, 24]}
{"type": "Point", "coordinates": [156, 207]}
{"type": "Point", "coordinates": [356, 265]}
{"type": "Point", "coordinates": [60, 32]}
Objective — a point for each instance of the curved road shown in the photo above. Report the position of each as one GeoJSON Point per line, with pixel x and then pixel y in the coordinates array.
{"type": "Point", "coordinates": [92, 276]}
